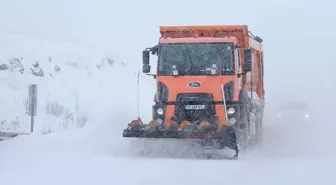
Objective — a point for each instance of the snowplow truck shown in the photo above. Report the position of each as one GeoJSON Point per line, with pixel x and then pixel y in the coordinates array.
{"type": "Point", "coordinates": [209, 86]}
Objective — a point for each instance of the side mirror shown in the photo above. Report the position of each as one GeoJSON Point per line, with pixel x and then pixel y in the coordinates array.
{"type": "Point", "coordinates": [247, 60]}
{"type": "Point", "coordinates": [146, 68]}
{"type": "Point", "coordinates": [145, 61]}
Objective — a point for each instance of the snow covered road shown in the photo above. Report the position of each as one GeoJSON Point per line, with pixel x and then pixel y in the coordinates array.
{"type": "Point", "coordinates": [64, 159]}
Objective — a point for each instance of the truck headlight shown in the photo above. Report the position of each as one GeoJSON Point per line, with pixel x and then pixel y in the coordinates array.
{"type": "Point", "coordinates": [306, 115]}
{"type": "Point", "coordinates": [159, 121]}
{"type": "Point", "coordinates": [232, 121]}
{"type": "Point", "coordinates": [231, 111]}
{"type": "Point", "coordinates": [159, 111]}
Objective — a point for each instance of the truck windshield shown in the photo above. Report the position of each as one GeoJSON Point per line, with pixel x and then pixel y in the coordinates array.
{"type": "Point", "coordinates": [195, 58]}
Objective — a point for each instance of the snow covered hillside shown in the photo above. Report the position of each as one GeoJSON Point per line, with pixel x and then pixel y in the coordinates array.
{"type": "Point", "coordinates": [71, 93]}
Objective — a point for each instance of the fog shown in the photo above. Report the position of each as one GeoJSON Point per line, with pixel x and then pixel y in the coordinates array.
{"type": "Point", "coordinates": [298, 53]}
{"type": "Point", "coordinates": [298, 35]}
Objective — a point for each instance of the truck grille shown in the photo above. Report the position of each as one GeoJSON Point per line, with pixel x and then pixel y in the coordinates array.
{"type": "Point", "coordinates": [194, 107]}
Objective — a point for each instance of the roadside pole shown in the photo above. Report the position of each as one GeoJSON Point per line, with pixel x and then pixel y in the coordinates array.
{"type": "Point", "coordinates": [32, 105]}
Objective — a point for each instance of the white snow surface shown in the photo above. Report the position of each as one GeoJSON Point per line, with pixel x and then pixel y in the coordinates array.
{"type": "Point", "coordinates": [101, 156]}
{"type": "Point", "coordinates": [80, 88]}
{"type": "Point", "coordinates": [293, 153]}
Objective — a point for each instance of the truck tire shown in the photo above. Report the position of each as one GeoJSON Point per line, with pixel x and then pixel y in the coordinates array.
{"type": "Point", "coordinates": [243, 124]}
{"type": "Point", "coordinates": [260, 133]}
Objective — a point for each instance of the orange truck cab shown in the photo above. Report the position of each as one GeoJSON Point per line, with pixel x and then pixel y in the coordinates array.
{"type": "Point", "coordinates": [208, 75]}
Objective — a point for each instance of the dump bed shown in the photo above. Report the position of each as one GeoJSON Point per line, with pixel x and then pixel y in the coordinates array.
{"type": "Point", "coordinates": [239, 31]}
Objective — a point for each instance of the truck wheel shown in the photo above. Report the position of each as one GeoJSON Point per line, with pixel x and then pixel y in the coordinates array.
{"type": "Point", "coordinates": [257, 136]}
{"type": "Point", "coordinates": [243, 129]}
{"type": "Point", "coordinates": [243, 139]}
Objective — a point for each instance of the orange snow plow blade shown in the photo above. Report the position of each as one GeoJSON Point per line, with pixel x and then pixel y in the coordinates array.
{"type": "Point", "coordinates": [225, 136]}
{"type": "Point", "coordinates": [185, 130]}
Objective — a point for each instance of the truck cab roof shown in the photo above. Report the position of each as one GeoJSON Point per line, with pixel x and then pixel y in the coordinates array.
{"type": "Point", "coordinates": [199, 40]}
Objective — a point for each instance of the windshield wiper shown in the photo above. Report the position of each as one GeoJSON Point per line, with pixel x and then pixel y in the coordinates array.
{"type": "Point", "coordinates": [191, 63]}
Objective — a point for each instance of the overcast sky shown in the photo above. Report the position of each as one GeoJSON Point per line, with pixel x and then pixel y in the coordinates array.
{"type": "Point", "coordinates": [298, 35]}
